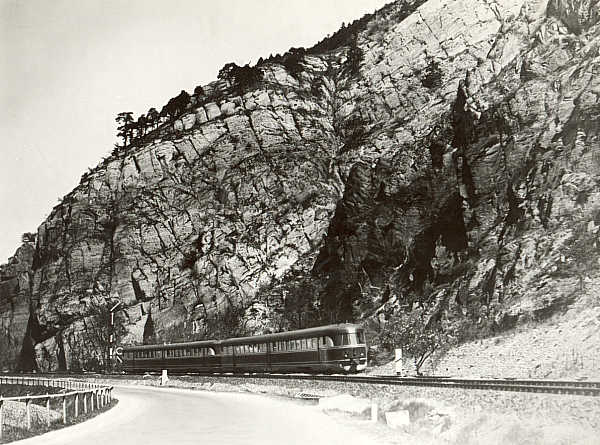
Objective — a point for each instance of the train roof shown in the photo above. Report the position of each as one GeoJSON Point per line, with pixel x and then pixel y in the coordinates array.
{"type": "Point", "coordinates": [299, 333]}
{"type": "Point", "coordinates": [188, 344]}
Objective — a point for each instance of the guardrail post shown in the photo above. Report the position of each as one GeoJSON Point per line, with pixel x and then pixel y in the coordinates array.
{"type": "Point", "coordinates": [76, 405]}
{"type": "Point", "coordinates": [64, 400]}
{"type": "Point", "coordinates": [48, 410]}
{"type": "Point", "coordinates": [1, 416]}
{"type": "Point", "coordinates": [28, 414]}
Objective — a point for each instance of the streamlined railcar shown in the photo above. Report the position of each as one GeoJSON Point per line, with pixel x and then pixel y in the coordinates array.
{"type": "Point", "coordinates": [325, 349]}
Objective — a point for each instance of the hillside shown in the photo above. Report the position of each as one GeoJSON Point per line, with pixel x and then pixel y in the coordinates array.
{"type": "Point", "coordinates": [444, 157]}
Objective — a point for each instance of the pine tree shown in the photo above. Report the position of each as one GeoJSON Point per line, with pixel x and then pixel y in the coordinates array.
{"type": "Point", "coordinates": [149, 336]}
{"type": "Point", "coordinates": [125, 129]}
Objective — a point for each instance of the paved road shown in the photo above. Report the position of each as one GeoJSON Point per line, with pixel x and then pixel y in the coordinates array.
{"type": "Point", "coordinates": [152, 416]}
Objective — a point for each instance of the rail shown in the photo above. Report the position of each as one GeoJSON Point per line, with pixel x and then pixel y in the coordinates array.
{"type": "Point", "coordinates": [90, 395]}
{"type": "Point", "coordinates": [582, 388]}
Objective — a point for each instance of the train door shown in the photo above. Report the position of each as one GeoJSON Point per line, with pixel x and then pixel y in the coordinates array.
{"type": "Point", "coordinates": [322, 350]}
{"type": "Point", "coordinates": [325, 343]}
{"type": "Point", "coordinates": [269, 347]}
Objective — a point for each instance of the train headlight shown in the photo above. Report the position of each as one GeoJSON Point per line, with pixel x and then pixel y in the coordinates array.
{"type": "Point", "coordinates": [345, 355]}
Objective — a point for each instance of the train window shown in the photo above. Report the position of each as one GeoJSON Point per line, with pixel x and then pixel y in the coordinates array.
{"type": "Point", "coordinates": [299, 345]}
{"type": "Point", "coordinates": [342, 339]}
{"type": "Point", "coordinates": [361, 337]}
{"type": "Point", "coordinates": [210, 351]}
{"type": "Point", "coordinates": [327, 341]}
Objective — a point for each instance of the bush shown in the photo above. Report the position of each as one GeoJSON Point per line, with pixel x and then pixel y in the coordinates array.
{"type": "Point", "coordinates": [417, 339]}
{"type": "Point", "coordinates": [432, 75]}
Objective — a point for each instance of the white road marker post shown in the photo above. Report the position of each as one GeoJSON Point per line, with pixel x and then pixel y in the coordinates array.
{"type": "Point", "coordinates": [374, 412]}
{"type": "Point", "coordinates": [398, 361]}
{"type": "Point", "coordinates": [164, 378]}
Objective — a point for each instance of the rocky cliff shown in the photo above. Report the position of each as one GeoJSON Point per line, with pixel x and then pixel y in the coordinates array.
{"type": "Point", "coordinates": [453, 165]}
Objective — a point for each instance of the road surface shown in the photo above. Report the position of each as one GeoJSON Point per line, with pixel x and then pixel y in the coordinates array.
{"type": "Point", "coordinates": [152, 416]}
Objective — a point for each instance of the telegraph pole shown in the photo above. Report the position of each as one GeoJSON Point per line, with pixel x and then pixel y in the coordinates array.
{"type": "Point", "coordinates": [114, 353]}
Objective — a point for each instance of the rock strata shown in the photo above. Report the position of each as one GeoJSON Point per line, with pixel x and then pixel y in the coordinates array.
{"type": "Point", "coordinates": [453, 168]}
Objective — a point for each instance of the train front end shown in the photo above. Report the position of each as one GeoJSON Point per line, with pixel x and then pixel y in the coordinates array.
{"type": "Point", "coordinates": [348, 351]}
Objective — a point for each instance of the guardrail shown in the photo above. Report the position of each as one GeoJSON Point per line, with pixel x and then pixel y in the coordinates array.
{"type": "Point", "coordinates": [90, 395]}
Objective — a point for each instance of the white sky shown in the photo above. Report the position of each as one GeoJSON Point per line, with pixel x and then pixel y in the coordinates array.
{"type": "Point", "coordinates": [67, 67]}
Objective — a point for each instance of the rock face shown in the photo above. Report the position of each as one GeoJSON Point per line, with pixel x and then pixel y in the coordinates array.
{"type": "Point", "coordinates": [455, 166]}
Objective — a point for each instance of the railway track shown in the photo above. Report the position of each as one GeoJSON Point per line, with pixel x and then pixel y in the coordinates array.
{"type": "Point", "coordinates": [534, 386]}
{"type": "Point", "coordinates": [572, 387]}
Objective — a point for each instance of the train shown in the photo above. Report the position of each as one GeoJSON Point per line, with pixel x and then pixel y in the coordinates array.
{"type": "Point", "coordinates": [339, 348]}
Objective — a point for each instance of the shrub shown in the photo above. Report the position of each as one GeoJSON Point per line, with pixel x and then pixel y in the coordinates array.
{"type": "Point", "coordinates": [417, 338]}
{"type": "Point", "coordinates": [431, 77]}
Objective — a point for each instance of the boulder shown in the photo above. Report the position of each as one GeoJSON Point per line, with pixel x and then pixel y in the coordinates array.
{"type": "Point", "coordinates": [212, 111]}
{"type": "Point", "coordinates": [201, 115]}
{"type": "Point", "coordinates": [228, 108]}
{"type": "Point", "coordinates": [357, 406]}
{"type": "Point", "coordinates": [397, 419]}
{"type": "Point", "coordinates": [188, 121]}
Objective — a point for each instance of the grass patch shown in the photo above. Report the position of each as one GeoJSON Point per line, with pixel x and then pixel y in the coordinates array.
{"type": "Point", "coordinates": [13, 427]}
